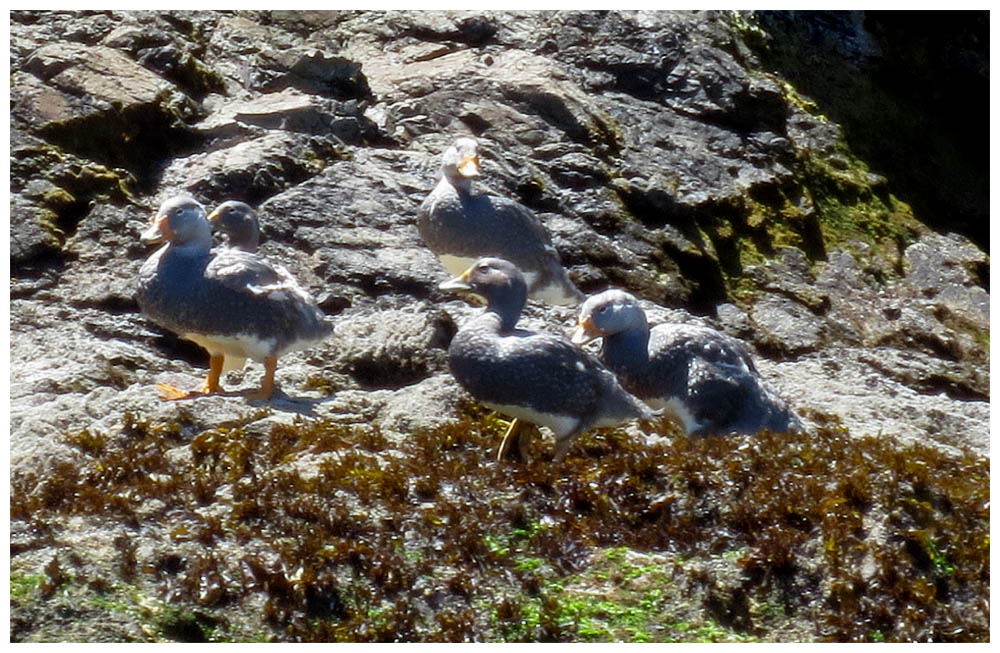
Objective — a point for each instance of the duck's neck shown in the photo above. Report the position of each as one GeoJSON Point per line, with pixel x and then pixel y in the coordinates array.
{"type": "Point", "coordinates": [248, 239]}
{"type": "Point", "coordinates": [507, 303]}
{"type": "Point", "coordinates": [627, 349]}
{"type": "Point", "coordinates": [462, 185]}
{"type": "Point", "coordinates": [193, 247]}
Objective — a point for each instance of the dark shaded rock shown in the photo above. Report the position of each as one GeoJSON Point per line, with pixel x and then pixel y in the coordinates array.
{"type": "Point", "coordinates": [33, 233]}
{"type": "Point", "coordinates": [911, 91]}
{"type": "Point", "coordinates": [182, 68]}
{"type": "Point", "coordinates": [90, 279]}
{"type": "Point", "coordinates": [53, 192]}
{"type": "Point", "coordinates": [97, 103]}
{"type": "Point", "coordinates": [251, 170]}
{"type": "Point", "coordinates": [310, 71]}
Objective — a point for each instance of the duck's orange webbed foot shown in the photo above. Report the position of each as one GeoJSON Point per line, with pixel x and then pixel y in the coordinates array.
{"type": "Point", "coordinates": [170, 393]}
{"type": "Point", "coordinates": [209, 387]}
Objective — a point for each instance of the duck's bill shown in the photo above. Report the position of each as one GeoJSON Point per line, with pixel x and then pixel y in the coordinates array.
{"type": "Point", "coordinates": [461, 282]}
{"type": "Point", "coordinates": [469, 166]}
{"type": "Point", "coordinates": [584, 333]}
{"type": "Point", "coordinates": [158, 231]}
{"type": "Point", "coordinates": [461, 285]}
{"type": "Point", "coordinates": [456, 284]}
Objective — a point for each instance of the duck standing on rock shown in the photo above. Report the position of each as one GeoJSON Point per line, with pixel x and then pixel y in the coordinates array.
{"type": "Point", "coordinates": [235, 304]}
{"type": "Point", "coordinates": [540, 378]}
{"type": "Point", "coordinates": [237, 222]}
{"type": "Point", "coordinates": [461, 226]}
{"type": "Point", "coordinates": [706, 378]}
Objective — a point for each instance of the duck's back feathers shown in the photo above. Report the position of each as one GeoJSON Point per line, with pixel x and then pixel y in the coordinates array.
{"type": "Point", "coordinates": [469, 224]}
{"type": "Point", "coordinates": [713, 378]}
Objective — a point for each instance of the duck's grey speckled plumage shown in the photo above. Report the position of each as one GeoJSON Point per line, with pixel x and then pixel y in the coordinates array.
{"type": "Point", "coordinates": [707, 378]}
{"type": "Point", "coordinates": [538, 377]}
{"type": "Point", "coordinates": [233, 303]}
{"type": "Point", "coordinates": [461, 226]}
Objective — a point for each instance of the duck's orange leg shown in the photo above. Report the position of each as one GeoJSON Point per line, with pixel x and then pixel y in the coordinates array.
{"type": "Point", "coordinates": [505, 443]}
{"type": "Point", "coordinates": [211, 384]}
{"type": "Point", "coordinates": [267, 383]}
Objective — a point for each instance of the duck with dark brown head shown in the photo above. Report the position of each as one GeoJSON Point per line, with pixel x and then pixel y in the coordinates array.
{"type": "Point", "coordinates": [536, 377]}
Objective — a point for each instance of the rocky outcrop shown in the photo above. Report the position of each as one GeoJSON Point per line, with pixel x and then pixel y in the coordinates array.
{"type": "Point", "coordinates": [910, 91]}
{"type": "Point", "coordinates": [659, 151]}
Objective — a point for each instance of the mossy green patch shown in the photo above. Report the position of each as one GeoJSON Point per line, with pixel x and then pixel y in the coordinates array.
{"type": "Point", "coordinates": [23, 586]}
{"type": "Point", "coordinates": [853, 204]}
{"type": "Point", "coordinates": [637, 605]}
{"type": "Point", "coordinates": [65, 186]}
{"type": "Point", "coordinates": [112, 606]}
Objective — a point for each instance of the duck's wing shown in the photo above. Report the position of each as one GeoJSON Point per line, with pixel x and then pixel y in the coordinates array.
{"type": "Point", "coordinates": [672, 347]}
{"type": "Point", "coordinates": [518, 222]}
{"type": "Point", "coordinates": [254, 275]}
{"type": "Point", "coordinates": [713, 375]}
{"type": "Point", "coordinates": [558, 375]}
{"type": "Point", "coordinates": [521, 238]}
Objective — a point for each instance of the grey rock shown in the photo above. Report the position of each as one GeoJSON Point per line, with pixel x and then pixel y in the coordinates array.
{"type": "Point", "coordinates": [789, 274]}
{"type": "Point", "coordinates": [786, 327]}
{"type": "Point", "coordinates": [311, 71]}
{"type": "Point", "coordinates": [406, 410]}
{"type": "Point", "coordinates": [950, 271]}
{"type": "Point", "coordinates": [288, 110]}
{"type": "Point", "coordinates": [251, 169]}
{"type": "Point", "coordinates": [855, 393]}
{"type": "Point", "coordinates": [100, 77]}
{"type": "Point", "coordinates": [394, 348]}
{"type": "Point", "coordinates": [568, 129]}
